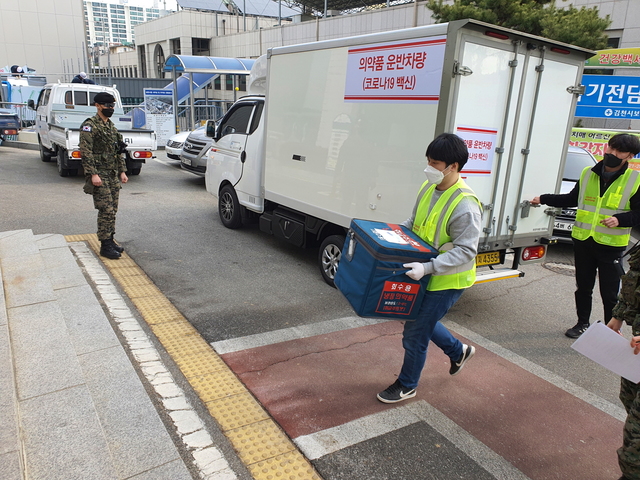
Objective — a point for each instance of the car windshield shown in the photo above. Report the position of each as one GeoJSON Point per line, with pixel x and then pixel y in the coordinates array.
{"type": "Point", "coordinates": [577, 161]}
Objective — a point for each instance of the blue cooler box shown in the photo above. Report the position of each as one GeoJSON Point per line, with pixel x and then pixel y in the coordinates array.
{"type": "Point", "coordinates": [371, 275]}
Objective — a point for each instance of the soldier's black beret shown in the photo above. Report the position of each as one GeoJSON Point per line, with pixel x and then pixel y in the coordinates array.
{"type": "Point", "coordinates": [104, 97]}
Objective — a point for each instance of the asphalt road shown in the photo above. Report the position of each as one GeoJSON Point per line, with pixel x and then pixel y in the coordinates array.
{"type": "Point", "coordinates": [235, 283]}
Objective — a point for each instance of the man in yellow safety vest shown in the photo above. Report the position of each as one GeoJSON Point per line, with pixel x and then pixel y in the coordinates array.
{"type": "Point", "coordinates": [608, 206]}
{"type": "Point", "coordinates": [447, 215]}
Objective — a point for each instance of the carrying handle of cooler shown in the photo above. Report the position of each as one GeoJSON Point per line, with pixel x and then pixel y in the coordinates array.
{"type": "Point", "coordinates": [352, 245]}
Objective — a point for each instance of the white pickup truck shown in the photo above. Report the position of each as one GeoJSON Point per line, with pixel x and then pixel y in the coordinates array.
{"type": "Point", "coordinates": [60, 111]}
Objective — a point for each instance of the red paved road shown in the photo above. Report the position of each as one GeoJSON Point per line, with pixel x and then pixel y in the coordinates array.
{"type": "Point", "coordinates": [324, 381]}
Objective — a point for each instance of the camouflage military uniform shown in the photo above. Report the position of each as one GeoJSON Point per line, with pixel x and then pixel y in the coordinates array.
{"type": "Point", "coordinates": [628, 310]}
{"type": "Point", "coordinates": [99, 145]}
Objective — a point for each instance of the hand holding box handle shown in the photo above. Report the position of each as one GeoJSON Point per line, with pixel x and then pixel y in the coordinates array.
{"type": "Point", "coordinates": [416, 272]}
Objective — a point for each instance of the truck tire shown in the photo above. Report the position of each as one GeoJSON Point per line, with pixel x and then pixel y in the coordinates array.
{"type": "Point", "coordinates": [329, 257]}
{"type": "Point", "coordinates": [134, 171]}
{"type": "Point", "coordinates": [62, 155]}
{"type": "Point", "coordinates": [45, 153]}
{"type": "Point", "coordinates": [229, 208]}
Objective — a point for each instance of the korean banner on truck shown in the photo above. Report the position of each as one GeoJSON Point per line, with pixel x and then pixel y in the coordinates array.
{"type": "Point", "coordinates": [409, 71]}
{"type": "Point", "coordinates": [481, 143]}
{"type": "Point", "coordinates": [610, 96]}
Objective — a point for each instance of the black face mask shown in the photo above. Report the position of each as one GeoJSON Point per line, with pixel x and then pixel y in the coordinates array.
{"type": "Point", "coordinates": [107, 112]}
{"type": "Point", "coordinates": [611, 161]}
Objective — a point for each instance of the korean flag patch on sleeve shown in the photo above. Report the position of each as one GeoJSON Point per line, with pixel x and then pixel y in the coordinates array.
{"type": "Point", "coordinates": [86, 128]}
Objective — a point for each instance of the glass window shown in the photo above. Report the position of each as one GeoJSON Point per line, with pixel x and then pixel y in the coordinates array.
{"type": "Point", "coordinates": [237, 121]}
{"type": "Point", "coordinates": [80, 98]}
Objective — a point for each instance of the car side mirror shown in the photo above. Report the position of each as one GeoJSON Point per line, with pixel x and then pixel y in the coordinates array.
{"type": "Point", "coordinates": [31, 104]}
{"type": "Point", "coordinates": [211, 129]}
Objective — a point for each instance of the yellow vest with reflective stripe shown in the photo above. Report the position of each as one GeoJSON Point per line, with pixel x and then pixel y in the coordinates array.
{"type": "Point", "coordinates": [431, 226]}
{"type": "Point", "coordinates": [592, 208]}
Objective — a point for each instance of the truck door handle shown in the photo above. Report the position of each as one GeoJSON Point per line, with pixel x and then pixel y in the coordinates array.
{"type": "Point", "coordinates": [243, 156]}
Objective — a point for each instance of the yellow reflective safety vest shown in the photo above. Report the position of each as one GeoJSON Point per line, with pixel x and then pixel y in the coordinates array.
{"type": "Point", "coordinates": [592, 207]}
{"type": "Point", "coordinates": [431, 226]}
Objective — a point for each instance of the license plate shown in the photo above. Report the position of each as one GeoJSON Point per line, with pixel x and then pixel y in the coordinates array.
{"type": "Point", "coordinates": [563, 226]}
{"type": "Point", "coordinates": [488, 258]}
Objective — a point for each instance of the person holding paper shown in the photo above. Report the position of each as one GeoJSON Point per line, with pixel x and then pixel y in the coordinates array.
{"type": "Point", "coordinates": [608, 201]}
{"type": "Point", "coordinates": [628, 310]}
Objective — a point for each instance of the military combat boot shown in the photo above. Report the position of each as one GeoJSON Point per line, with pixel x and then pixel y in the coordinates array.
{"type": "Point", "coordinates": [107, 250]}
{"type": "Point", "coordinates": [116, 247]}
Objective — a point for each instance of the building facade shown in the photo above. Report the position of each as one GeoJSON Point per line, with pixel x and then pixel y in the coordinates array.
{"type": "Point", "coordinates": [45, 35]}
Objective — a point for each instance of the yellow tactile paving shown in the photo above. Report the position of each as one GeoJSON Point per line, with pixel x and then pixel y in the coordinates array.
{"type": "Point", "coordinates": [259, 441]}
{"type": "Point", "coordinates": [290, 466]}
{"type": "Point", "coordinates": [137, 291]}
{"type": "Point", "coordinates": [152, 303]}
{"type": "Point", "coordinates": [217, 384]}
{"type": "Point", "coordinates": [200, 364]}
{"type": "Point", "coordinates": [236, 411]}
{"type": "Point", "coordinates": [154, 317]}
{"type": "Point", "coordinates": [123, 272]}
{"type": "Point", "coordinates": [136, 280]}
{"type": "Point", "coordinates": [266, 450]}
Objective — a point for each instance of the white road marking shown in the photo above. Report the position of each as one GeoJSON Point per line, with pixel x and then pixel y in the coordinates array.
{"type": "Point", "coordinates": [293, 333]}
{"type": "Point", "coordinates": [325, 442]}
{"type": "Point", "coordinates": [207, 458]}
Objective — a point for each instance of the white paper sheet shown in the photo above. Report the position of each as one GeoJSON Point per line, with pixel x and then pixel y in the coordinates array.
{"type": "Point", "coordinates": [609, 349]}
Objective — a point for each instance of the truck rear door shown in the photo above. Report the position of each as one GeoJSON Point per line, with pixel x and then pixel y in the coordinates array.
{"type": "Point", "coordinates": [512, 106]}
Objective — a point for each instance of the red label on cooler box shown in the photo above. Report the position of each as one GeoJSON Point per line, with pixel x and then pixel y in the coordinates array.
{"type": "Point", "coordinates": [398, 297]}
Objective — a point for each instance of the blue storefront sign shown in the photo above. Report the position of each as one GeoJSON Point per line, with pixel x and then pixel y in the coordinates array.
{"type": "Point", "coordinates": [609, 96]}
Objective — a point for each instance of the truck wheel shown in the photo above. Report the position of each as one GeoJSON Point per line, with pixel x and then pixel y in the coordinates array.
{"type": "Point", "coordinates": [329, 257]}
{"type": "Point", "coordinates": [229, 208]}
{"type": "Point", "coordinates": [62, 154]}
{"type": "Point", "coordinates": [134, 171]}
{"type": "Point", "coordinates": [45, 153]}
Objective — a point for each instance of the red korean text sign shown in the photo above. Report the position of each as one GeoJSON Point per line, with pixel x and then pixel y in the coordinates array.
{"type": "Point", "coordinates": [403, 71]}
{"type": "Point", "coordinates": [398, 298]}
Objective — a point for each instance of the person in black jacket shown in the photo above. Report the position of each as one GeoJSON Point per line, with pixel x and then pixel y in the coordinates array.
{"type": "Point", "coordinates": [82, 78]}
{"type": "Point", "coordinates": [608, 204]}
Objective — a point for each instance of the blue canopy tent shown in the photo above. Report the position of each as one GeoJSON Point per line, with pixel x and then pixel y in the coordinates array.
{"type": "Point", "coordinates": [197, 72]}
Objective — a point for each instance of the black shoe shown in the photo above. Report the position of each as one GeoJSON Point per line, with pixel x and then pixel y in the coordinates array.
{"type": "Point", "coordinates": [467, 353]}
{"type": "Point", "coordinates": [107, 250]}
{"type": "Point", "coordinates": [396, 393]}
{"type": "Point", "coordinates": [577, 330]}
{"type": "Point", "coordinates": [116, 247]}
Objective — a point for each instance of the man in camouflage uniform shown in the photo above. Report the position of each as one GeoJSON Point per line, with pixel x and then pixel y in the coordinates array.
{"type": "Point", "coordinates": [628, 310]}
{"type": "Point", "coordinates": [104, 169]}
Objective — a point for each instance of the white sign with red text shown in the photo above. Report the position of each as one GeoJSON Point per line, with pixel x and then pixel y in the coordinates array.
{"type": "Point", "coordinates": [409, 71]}
{"type": "Point", "coordinates": [481, 143]}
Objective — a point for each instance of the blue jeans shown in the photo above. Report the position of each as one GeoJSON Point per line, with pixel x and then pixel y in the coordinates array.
{"type": "Point", "coordinates": [427, 327]}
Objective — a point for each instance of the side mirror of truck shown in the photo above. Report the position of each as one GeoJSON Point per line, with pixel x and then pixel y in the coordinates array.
{"type": "Point", "coordinates": [228, 129]}
{"type": "Point", "coordinates": [31, 104]}
{"type": "Point", "coordinates": [211, 129]}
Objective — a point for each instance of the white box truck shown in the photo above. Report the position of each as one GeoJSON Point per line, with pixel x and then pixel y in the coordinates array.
{"type": "Point", "coordinates": [342, 129]}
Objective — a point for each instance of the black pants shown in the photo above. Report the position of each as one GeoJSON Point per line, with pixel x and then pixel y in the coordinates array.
{"type": "Point", "coordinates": [592, 258]}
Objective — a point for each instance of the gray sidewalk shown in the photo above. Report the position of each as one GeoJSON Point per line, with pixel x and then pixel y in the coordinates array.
{"type": "Point", "coordinates": [71, 404]}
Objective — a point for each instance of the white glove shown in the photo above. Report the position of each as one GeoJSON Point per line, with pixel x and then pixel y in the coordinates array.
{"type": "Point", "coordinates": [416, 272]}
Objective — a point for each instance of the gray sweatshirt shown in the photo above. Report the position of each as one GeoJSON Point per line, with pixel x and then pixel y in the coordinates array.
{"type": "Point", "coordinates": [464, 228]}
